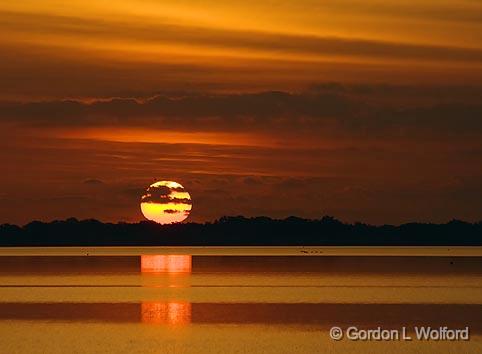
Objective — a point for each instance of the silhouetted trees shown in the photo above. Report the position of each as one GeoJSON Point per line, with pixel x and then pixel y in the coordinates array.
{"type": "Point", "coordinates": [238, 230]}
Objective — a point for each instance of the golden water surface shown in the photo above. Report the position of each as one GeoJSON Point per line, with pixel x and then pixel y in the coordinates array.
{"type": "Point", "coordinates": [229, 304]}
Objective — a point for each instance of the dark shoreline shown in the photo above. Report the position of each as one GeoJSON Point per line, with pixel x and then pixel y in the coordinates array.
{"type": "Point", "coordinates": [240, 231]}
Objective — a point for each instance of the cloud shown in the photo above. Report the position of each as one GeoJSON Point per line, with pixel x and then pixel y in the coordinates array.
{"type": "Point", "coordinates": [329, 108]}
{"type": "Point", "coordinates": [164, 32]}
{"type": "Point", "coordinates": [257, 105]}
{"type": "Point", "coordinates": [93, 182]}
{"type": "Point", "coordinates": [164, 195]}
{"type": "Point", "coordinates": [88, 52]}
{"type": "Point", "coordinates": [172, 211]}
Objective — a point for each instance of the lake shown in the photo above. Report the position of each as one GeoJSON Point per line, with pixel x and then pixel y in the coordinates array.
{"type": "Point", "coordinates": [161, 303]}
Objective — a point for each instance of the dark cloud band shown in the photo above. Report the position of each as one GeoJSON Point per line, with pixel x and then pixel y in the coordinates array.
{"type": "Point", "coordinates": [362, 109]}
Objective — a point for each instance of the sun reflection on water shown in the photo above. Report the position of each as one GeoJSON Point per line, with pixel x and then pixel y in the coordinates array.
{"type": "Point", "coordinates": [166, 264]}
{"type": "Point", "coordinates": [173, 312]}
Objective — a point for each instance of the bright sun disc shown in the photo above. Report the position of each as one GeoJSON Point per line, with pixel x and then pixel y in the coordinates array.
{"type": "Point", "coordinates": [166, 202]}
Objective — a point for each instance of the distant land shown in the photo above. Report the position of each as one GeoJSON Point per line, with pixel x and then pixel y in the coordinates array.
{"type": "Point", "coordinates": [240, 231]}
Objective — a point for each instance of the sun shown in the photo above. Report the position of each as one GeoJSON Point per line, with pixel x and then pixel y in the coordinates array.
{"type": "Point", "coordinates": [166, 202]}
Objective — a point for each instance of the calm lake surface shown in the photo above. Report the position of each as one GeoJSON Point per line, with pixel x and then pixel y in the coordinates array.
{"type": "Point", "coordinates": [234, 304]}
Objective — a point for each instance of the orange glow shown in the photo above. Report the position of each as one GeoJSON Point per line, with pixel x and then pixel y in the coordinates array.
{"type": "Point", "coordinates": [170, 313]}
{"type": "Point", "coordinates": [142, 135]}
{"type": "Point", "coordinates": [166, 264]}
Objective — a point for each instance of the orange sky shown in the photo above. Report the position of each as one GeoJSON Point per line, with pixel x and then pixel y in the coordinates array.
{"type": "Point", "coordinates": [366, 110]}
{"type": "Point", "coordinates": [106, 48]}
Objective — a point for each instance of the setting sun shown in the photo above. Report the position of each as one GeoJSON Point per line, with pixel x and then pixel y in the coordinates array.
{"type": "Point", "coordinates": [166, 202]}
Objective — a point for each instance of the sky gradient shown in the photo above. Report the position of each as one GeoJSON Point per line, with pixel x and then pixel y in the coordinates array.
{"type": "Point", "coordinates": [365, 110]}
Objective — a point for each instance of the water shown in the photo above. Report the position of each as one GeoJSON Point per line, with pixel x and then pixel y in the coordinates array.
{"type": "Point", "coordinates": [221, 304]}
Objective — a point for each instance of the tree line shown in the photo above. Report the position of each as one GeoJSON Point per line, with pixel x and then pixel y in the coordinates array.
{"type": "Point", "coordinates": [240, 231]}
